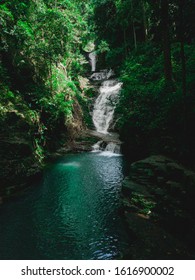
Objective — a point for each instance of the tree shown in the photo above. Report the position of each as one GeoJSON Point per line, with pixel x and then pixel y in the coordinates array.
{"type": "Point", "coordinates": [166, 40]}
{"type": "Point", "coordinates": [181, 39]}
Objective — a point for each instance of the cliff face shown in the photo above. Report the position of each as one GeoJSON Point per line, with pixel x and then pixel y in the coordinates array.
{"type": "Point", "coordinates": [18, 161]}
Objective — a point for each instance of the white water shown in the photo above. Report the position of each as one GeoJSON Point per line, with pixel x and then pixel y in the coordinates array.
{"type": "Point", "coordinates": [102, 75]}
{"type": "Point", "coordinates": [97, 147]}
{"type": "Point", "coordinates": [111, 149]}
{"type": "Point", "coordinates": [103, 113]}
{"type": "Point", "coordinates": [109, 154]}
{"type": "Point", "coordinates": [92, 57]}
{"type": "Point", "coordinates": [105, 104]}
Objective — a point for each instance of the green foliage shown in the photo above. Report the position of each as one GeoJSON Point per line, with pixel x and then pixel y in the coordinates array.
{"type": "Point", "coordinates": [144, 204]}
{"type": "Point", "coordinates": [149, 112]}
{"type": "Point", "coordinates": [103, 46]}
{"type": "Point", "coordinates": [39, 151]}
{"type": "Point", "coordinates": [40, 53]}
{"type": "Point", "coordinates": [143, 82]}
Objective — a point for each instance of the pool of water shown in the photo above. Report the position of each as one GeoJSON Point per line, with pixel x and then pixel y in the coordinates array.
{"type": "Point", "coordinates": [73, 213]}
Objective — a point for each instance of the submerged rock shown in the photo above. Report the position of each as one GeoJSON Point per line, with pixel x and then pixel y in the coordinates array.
{"type": "Point", "coordinates": [158, 200]}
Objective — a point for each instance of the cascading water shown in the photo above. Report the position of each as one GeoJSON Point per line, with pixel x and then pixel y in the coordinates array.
{"type": "Point", "coordinates": [103, 112]}
{"type": "Point", "coordinates": [113, 147]}
{"type": "Point", "coordinates": [92, 57]}
{"type": "Point", "coordinates": [107, 149]}
{"type": "Point", "coordinates": [105, 105]}
{"type": "Point", "coordinates": [102, 75]}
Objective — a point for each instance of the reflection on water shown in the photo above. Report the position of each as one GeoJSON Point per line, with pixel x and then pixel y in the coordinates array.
{"type": "Point", "coordinates": [72, 214]}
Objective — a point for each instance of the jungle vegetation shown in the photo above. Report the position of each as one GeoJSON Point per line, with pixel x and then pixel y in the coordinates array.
{"type": "Point", "coordinates": [149, 44]}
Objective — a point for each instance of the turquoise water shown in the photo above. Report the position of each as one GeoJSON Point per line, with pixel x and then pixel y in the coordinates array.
{"type": "Point", "coordinates": [72, 214]}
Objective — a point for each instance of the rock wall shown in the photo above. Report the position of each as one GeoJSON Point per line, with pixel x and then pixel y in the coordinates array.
{"type": "Point", "coordinates": [18, 162]}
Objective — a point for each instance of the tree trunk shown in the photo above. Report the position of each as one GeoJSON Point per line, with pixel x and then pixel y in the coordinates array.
{"type": "Point", "coordinates": [50, 74]}
{"type": "Point", "coordinates": [166, 40]}
{"type": "Point", "coordinates": [183, 66]}
{"type": "Point", "coordinates": [181, 39]}
{"type": "Point", "coordinates": [133, 23]}
{"type": "Point", "coordinates": [145, 23]}
{"type": "Point", "coordinates": [125, 41]}
{"type": "Point", "coordinates": [134, 36]}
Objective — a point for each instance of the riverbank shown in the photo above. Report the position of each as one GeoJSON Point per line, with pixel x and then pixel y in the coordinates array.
{"type": "Point", "coordinates": [20, 168]}
{"type": "Point", "coordinates": [19, 165]}
{"type": "Point", "coordinates": [26, 144]}
{"type": "Point", "coordinates": [158, 203]}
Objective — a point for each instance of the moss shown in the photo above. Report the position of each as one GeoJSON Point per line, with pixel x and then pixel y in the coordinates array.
{"type": "Point", "coordinates": [144, 204]}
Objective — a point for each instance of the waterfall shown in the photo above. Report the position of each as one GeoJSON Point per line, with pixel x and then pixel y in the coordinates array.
{"type": "Point", "coordinates": [107, 149]}
{"type": "Point", "coordinates": [113, 148]}
{"type": "Point", "coordinates": [103, 111]}
{"type": "Point", "coordinates": [105, 105]}
{"type": "Point", "coordinates": [92, 57]}
{"type": "Point", "coordinates": [102, 75]}
{"type": "Point", "coordinates": [98, 146]}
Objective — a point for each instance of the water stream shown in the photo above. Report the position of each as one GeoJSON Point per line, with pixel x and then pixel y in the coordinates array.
{"type": "Point", "coordinates": [103, 112]}
{"type": "Point", "coordinates": [105, 105]}
{"type": "Point", "coordinates": [92, 58]}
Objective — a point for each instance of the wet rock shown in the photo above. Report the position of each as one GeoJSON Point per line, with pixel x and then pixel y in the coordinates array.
{"type": "Point", "coordinates": [162, 191]}
{"type": "Point", "coordinates": [130, 186]}
{"type": "Point", "coordinates": [152, 241]}
{"type": "Point", "coordinates": [18, 165]}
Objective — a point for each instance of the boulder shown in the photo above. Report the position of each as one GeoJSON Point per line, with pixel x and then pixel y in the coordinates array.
{"type": "Point", "coordinates": [161, 191]}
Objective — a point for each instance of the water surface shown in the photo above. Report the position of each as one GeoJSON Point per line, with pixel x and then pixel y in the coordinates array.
{"type": "Point", "coordinates": [72, 214]}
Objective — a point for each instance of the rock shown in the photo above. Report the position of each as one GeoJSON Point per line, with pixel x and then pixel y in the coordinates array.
{"type": "Point", "coordinates": [129, 186]}
{"type": "Point", "coordinates": [19, 167]}
{"type": "Point", "coordinates": [161, 192]}
{"type": "Point", "coordinates": [152, 241]}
